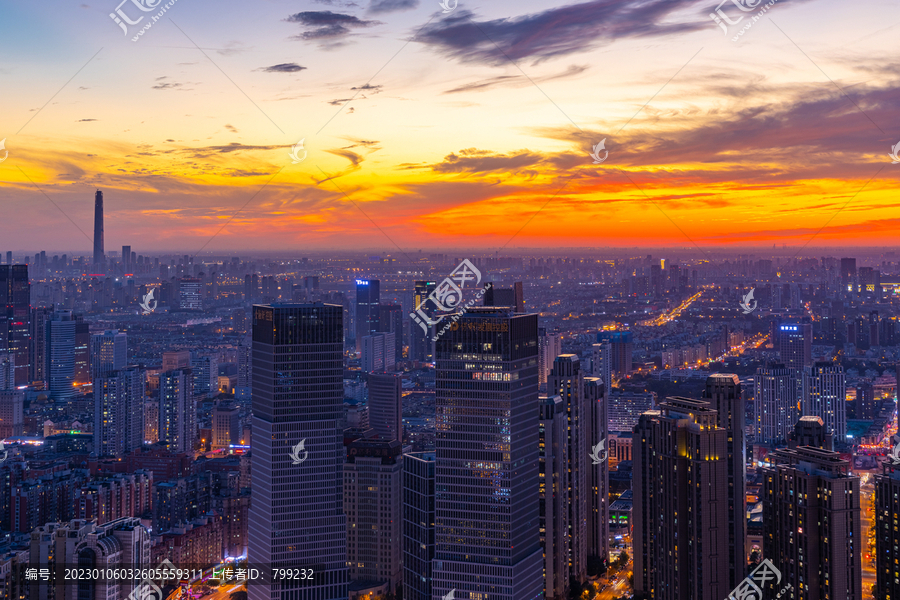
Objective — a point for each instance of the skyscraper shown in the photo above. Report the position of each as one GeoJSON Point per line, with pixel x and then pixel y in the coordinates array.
{"type": "Point", "coordinates": [601, 363]}
{"type": "Point", "coordinates": [553, 467]}
{"type": "Point", "coordinates": [177, 410]}
{"type": "Point", "coordinates": [390, 319]}
{"type": "Point", "coordinates": [126, 259]}
{"type": "Point", "coordinates": [421, 347]}
{"type": "Point", "coordinates": [621, 346]}
{"type": "Point", "coordinates": [368, 316]}
{"type": "Point", "coordinates": [373, 505]}
{"type": "Point", "coordinates": [377, 353]}
{"type": "Point", "coordinates": [776, 402]}
{"type": "Point", "coordinates": [513, 297]}
{"type": "Point", "coordinates": [226, 425]}
{"type": "Point", "coordinates": [723, 392]}
{"type": "Point", "coordinates": [811, 523]}
{"type": "Point", "coordinates": [118, 412]}
{"type": "Point", "coordinates": [795, 344]}
{"type": "Point", "coordinates": [486, 448]}
{"type": "Point", "coordinates": [887, 535]}
{"type": "Point", "coordinates": [597, 480]}
{"type": "Point", "coordinates": [825, 395]}
{"type": "Point", "coordinates": [15, 318]}
{"type": "Point", "coordinates": [680, 503]}
{"type": "Point", "coordinates": [99, 254]}
{"type": "Point", "coordinates": [205, 366]}
{"type": "Point", "coordinates": [385, 409]}
{"type": "Point", "coordinates": [60, 333]}
{"type": "Point", "coordinates": [418, 524]}
{"type": "Point", "coordinates": [567, 381]}
{"type": "Point", "coordinates": [549, 347]}
{"type": "Point", "coordinates": [296, 517]}
{"type": "Point", "coordinates": [109, 352]}
{"type": "Point", "coordinates": [39, 318]}
{"type": "Point", "coordinates": [848, 273]}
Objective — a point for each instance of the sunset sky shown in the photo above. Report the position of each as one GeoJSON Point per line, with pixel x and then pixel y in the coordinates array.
{"type": "Point", "coordinates": [456, 138]}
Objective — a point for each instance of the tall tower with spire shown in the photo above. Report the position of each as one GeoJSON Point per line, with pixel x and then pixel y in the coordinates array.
{"type": "Point", "coordinates": [99, 256]}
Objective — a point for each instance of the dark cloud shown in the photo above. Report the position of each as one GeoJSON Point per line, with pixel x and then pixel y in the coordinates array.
{"type": "Point", "coordinates": [339, 101]}
{"type": "Point", "coordinates": [385, 6]}
{"type": "Point", "coordinates": [84, 120]}
{"type": "Point", "coordinates": [515, 80]}
{"type": "Point", "coordinates": [373, 88]}
{"type": "Point", "coordinates": [324, 24]}
{"type": "Point", "coordinates": [283, 68]}
{"type": "Point", "coordinates": [554, 32]}
{"type": "Point", "coordinates": [473, 160]}
{"type": "Point", "coordinates": [231, 128]}
{"type": "Point", "coordinates": [166, 85]}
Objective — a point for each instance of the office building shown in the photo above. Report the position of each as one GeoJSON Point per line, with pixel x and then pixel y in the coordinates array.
{"type": "Point", "coordinates": [119, 412]}
{"type": "Point", "coordinates": [680, 503]}
{"type": "Point", "coordinates": [373, 505]}
{"type": "Point", "coordinates": [865, 406]}
{"type": "Point", "coordinates": [11, 415]}
{"type": "Point", "coordinates": [60, 342]}
{"type": "Point", "coordinates": [109, 352]}
{"type": "Point", "coordinates": [206, 373]}
{"type": "Point", "coordinates": [418, 524]}
{"type": "Point", "coordinates": [567, 381]}
{"type": "Point", "coordinates": [795, 345]}
{"type": "Point", "coordinates": [887, 534]}
{"type": "Point", "coordinates": [99, 253]}
{"type": "Point", "coordinates": [377, 353]}
{"type": "Point", "coordinates": [126, 259]}
{"type": "Point", "coordinates": [245, 370]}
{"type": "Point", "coordinates": [621, 346]}
{"type": "Point", "coordinates": [513, 297]}
{"type": "Point", "coordinates": [177, 410]}
{"type": "Point", "coordinates": [597, 421]}
{"type": "Point", "coordinates": [601, 363]}
{"type": "Point", "coordinates": [421, 346]}
{"type": "Point", "coordinates": [848, 274]}
{"type": "Point", "coordinates": [811, 431]}
{"type": "Point", "coordinates": [226, 425]}
{"type": "Point", "coordinates": [825, 395]}
{"type": "Point", "coordinates": [15, 318]}
{"type": "Point", "coordinates": [83, 366]}
{"type": "Point", "coordinates": [549, 347]}
{"type": "Point", "coordinates": [390, 319]}
{"type": "Point", "coordinates": [486, 451]}
{"type": "Point", "coordinates": [723, 392]}
{"type": "Point", "coordinates": [553, 467]}
{"type": "Point", "coordinates": [624, 409]}
{"type": "Point", "coordinates": [368, 315]}
{"type": "Point", "coordinates": [300, 521]}
{"type": "Point", "coordinates": [811, 523]}
{"type": "Point", "coordinates": [7, 371]}
{"type": "Point", "coordinates": [776, 402]}
{"type": "Point", "coordinates": [190, 293]}
{"type": "Point", "coordinates": [39, 318]}
{"type": "Point", "coordinates": [385, 408]}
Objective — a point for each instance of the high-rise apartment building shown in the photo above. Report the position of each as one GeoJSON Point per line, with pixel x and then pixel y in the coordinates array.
{"type": "Point", "coordinates": [567, 381]}
{"type": "Point", "coordinates": [680, 507]}
{"type": "Point", "coordinates": [418, 524]}
{"type": "Point", "coordinates": [119, 412]}
{"type": "Point", "coordinates": [887, 533]}
{"type": "Point", "coordinates": [99, 253]}
{"type": "Point", "coordinates": [795, 344]}
{"type": "Point", "coordinates": [811, 523]}
{"type": "Point", "coordinates": [177, 410]}
{"type": "Point", "coordinates": [421, 346]}
{"type": "Point", "coordinates": [624, 409]}
{"type": "Point", "coordinates": [15, 318]}
{"type": "Point", "coordinates": [486, 450]}
{"type": "Point", "coordinates": [205, 366]}
{"type": "Point", "coordinates": [723, 392]}
{"type": "Point", "coordinates": [390, 319]}
{"type": "Point", "coordinates": [60, 342]}
{"type": "Point", "coordinates": [39, 318]}
{"type": "Point", "coordinates": [776, 404]}
{"type": "Point", "coordinates": [126, 259]}
{"type": "Point", "coordinates": [385, 408]}
{"type": "Point", "coordinates": [11, 416]}
{"type": "Point", "coordinates": [368, 315]}
{"type": "Point", "coordinates": [848, 273]}
{"type": "Point", "coordinates": [109, 352]}
{"type": "Point", "coordinates": [377, 353]}
{"type": "Point", "coordinates": [553, 467]}
{"type": "Point", "coordinates": [621, 347]}
{"type": "Point", "coordinates": [373, 505]}
{"type": "Point", "coordinates": [601, 363]}
{"type": "Point", "coordinates": [597, 479]}
{"type": "Point", "coordinates": [226, 425]}
{"type": "Point", "coordinates": [825, 395]}
{"type": "Point", "coordinates": [549, 347]}
{"type": "Point", "coordinates": [297, 517]}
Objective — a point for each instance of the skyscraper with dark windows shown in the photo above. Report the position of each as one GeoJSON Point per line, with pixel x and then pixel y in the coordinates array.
{"type": "Point", "coordinates": [177, 410]}
{"type": "Point", "coordinates": [418, 524]}
{"type": "Point", "coordinates": [421, 347]}
{"type": "Point", "coordinates": [297, 516]}
{"type": "Point", "coordinates": [567, 381]}
{"type": "Point", "coordinates": [385, 409]}
{"type": "Point", "coordinates": [680, 507]}
{"type": "Point", "coordinates": [776, 404]}
{"type": "Point", "coordinates": [109, 352]}
{"type": "Point", "coordinates": [553, 468]}
{"type": "Point", "coordinates": [887, 534]}
{"type": "Point", "coordinates": [486, 449]}
{"type": "Point", "coordinates": [597, 479]}
{"type": "Point", "coordinates": [390, 320]}
{"type": "Point", "coordinates": [99, 254]}
{"type": "Point", "coordinates": [368, 313]}
{"type": "Point", "coordinates": [60, 340]}
{"type": "Point", "coordinates": [795, 344]}
{"type": "Point", "coordinates": [825, 395]}
{"type": "Point", "coordinates": [723, 392]}
{"type": "Point", "coordinates": [118, 412]}
{"type": "Point", "coordinates": [848, 273]}
{"type": "Point", "coordinates": [621, 347]}
{"type": "Point", "coordinates": [15, 318]}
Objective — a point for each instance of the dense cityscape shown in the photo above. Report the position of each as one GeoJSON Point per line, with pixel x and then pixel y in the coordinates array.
{"type": "Point", "coordinates": [488, 426]}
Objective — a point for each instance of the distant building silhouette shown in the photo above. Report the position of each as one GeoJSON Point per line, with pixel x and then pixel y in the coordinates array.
{"type": "Point", "coordinates": [99, 254]}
